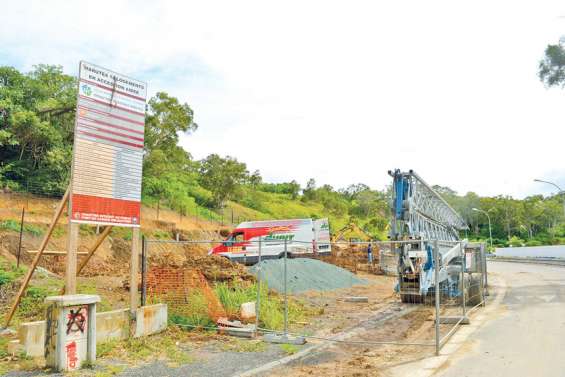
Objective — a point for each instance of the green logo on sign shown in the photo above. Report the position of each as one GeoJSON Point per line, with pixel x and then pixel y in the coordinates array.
{"type": "Point", "coordinates": [86, 89]}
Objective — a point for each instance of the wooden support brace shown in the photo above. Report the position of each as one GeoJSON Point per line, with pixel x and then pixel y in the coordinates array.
{"type": "Point", "coordinates": [31, 269]}
{"type": "Point", "coordinates": [54, 252]}
{"type": "Point", "coordinates": [90, 252]}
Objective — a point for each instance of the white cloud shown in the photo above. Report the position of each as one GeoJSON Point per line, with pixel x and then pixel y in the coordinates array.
{"type": "Point", "coordinates": [338, 91]}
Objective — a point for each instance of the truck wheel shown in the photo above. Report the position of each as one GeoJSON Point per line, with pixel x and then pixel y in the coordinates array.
{"type": "Point", "coordinates": [408, 298]}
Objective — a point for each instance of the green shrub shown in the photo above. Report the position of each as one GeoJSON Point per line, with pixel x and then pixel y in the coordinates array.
{"type": "Point", "coordinates": [515, 241]}
{"type": "Point", "coordinates": [6, 277]}
{"type": "Point", "coordinates": [232, 297]}
{"type": "Point", "coordinates": [12, 225]}
{"type": "Point", "coordinates": [534, 243]}
{"type": "Point", "coordinates": [9, 272]}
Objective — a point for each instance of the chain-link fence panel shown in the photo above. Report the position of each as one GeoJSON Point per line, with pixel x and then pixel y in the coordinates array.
{"type": "Point", "coordinates": [295, 290]}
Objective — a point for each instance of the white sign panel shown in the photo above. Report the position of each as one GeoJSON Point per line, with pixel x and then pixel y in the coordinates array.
{"type": "Point", "coordinates": [108, 149]}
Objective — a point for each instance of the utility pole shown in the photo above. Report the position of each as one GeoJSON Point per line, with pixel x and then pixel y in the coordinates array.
{"type": "Point", "coordinates": [560, 192]}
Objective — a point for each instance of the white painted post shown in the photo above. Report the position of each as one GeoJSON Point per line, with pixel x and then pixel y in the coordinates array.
{"type": "Point", "coordinates": [91, 347]}
{"type": "Point", "coordinates": [258, 304]}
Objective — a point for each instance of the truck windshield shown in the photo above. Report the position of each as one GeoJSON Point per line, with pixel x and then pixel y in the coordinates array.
{"type": "Point", "coordinates": [234, 238]}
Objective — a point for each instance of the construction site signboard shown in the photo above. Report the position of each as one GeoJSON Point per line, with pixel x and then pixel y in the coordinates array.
{"type": "Point", "coordinates": [108, 148]}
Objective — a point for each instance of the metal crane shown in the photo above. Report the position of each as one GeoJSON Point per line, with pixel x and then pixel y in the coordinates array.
{"type": "Point", "coordinates": [420, 218]}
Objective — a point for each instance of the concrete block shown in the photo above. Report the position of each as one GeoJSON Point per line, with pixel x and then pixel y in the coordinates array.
{"type": "Point", "coordinates": [112, 325]}
{"type": "Point", "coordinates": [247, 310]}
{"type": "Point", "coordinates": [282, 339]}
{"type": "Point", "coordinates": [240, 332]}
{"type": "Point", "coordinates": [109, 325]}
{"type": "Point", "coordinates": [32, 338]}
{"type": "Point", "coordinates": [151, 319]}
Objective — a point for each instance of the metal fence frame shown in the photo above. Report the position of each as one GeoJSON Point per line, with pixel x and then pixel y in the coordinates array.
{"type": "Point", "coordinates": [439, 340]}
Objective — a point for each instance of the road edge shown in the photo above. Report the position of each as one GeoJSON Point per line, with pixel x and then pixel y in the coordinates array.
{"type": "Point", "coordinates": [429, 366]}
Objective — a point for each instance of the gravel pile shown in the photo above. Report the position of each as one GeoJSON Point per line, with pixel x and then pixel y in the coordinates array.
{"type": "Point", "coordinates": [305, 275]}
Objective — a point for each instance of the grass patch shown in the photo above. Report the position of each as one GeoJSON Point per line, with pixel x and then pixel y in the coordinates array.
{"type": "Point", "coordinates": [32, 306]}
{"type": "Point", "coordinates": [193, 314]}
{"type": "Point", "coordinates": [3, 347]}
{"type": "Point", "coordinates": [233, 296]}
{"type": "Point", "coordinates": [14, 226]}
{"type": "Point", "coordinates": [59, 231]}
{"type": "Point", "coordinates": [289, 349]}
{"type": "Point", "coordinates": [106, 348]}
{"type": "Point", "coordinates": [271, 314]}
{"type": "Point", "coordinates": [9, 273]}
{"type": "Point", "coordinates": [164, 346]}
{"type": "Point", "coordinates": [161, 235]}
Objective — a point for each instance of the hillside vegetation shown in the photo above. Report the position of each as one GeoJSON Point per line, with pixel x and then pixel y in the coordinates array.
{"type": "Point", "coordinates": [36, 137]}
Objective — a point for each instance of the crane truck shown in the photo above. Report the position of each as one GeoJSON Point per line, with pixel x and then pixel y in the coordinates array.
{"type": "Point", "coordinates": [422, 219]}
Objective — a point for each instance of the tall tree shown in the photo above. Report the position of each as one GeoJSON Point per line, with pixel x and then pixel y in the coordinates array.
{"type": "Point", "coordinates": [552, 67]}
{"type": "Point", "coordinates": [166, 118]}
{"type": "Point", "coordinates": [222, 176]}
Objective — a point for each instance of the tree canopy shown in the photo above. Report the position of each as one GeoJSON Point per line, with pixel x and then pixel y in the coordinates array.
{"type": "Point", "coordinates": [552, 67]}
{"type": "Point", "coordinates": [36, 138]}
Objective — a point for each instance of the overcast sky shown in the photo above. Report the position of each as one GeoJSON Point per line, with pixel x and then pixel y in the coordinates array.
{"type": "Point", "coordinates": [338, 91]}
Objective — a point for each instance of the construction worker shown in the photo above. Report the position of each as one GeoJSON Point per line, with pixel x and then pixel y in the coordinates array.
{"type": "Point", "coordinates": [369, 253]}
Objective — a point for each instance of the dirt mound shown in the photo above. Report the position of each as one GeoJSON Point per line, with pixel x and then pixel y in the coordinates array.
{"type": "Point", "coordinates": [216, 268]}
{"type": "Point", "coordinates": [121, 249]}
{"type": "Point", "coordinates": [166, 258]}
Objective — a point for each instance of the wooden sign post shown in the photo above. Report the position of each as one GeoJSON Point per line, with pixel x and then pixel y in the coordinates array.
{"type": "Point", "coordinates": [106, 169]}
{"type": "Point", "coordinates": [71, 270]}
{"type": "Point", "coordinates": [107, 161]}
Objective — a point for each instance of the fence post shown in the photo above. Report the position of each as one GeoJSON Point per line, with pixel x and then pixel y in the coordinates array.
{"type": "Point", "coordinates": [463, 269]}
{"type": "Point", "coordinates": [285, 293]}
{"type": "Point", "coordinates": [143, 270]}
{"type": "Point", "coordinates": [21, 233]}
{"type": "Point", "coordinates": [258, 303]}
{"type": "Point", "coordinates": [484, 269]}
{"type": "Point", "coordinates": [436, 270]}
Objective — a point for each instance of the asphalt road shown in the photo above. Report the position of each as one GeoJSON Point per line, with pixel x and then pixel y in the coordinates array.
{"type": "Point", "coordinates": [526, 336]}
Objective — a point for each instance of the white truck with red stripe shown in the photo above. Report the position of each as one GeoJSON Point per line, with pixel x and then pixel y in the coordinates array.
{"type": "Point", "coordinates": [303, 237]}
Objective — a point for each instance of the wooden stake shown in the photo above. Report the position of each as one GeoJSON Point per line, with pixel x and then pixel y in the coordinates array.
{"type": "Point", "coordinates": [134, 266]}
{"type": "Point", "coordinates": [46, 238]}
{"type": "Point", "coordinates": [71, 270]}
{"type": "Point", "coordinates": [90, 253]}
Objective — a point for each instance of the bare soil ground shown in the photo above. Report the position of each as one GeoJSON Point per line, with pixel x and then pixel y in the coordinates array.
{"type": "Point", "coordinates": [39, 210]}
{"type": "Point", "coordinates": [365, 359]}
{"type": "Point", "coordinates": [334, 314]}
